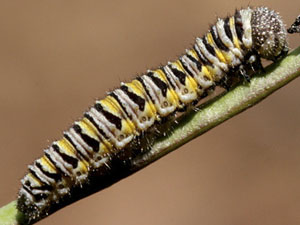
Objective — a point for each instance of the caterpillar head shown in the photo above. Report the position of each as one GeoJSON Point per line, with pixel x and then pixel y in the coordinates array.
{"type": "Point", "coordinates": [268, 33]}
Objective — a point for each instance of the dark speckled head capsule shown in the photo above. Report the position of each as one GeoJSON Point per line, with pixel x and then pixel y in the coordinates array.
{"type": "Point", "coordinates": [268, 33]}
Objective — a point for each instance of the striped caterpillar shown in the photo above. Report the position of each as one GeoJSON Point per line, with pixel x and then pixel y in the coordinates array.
{"type": "Point", "coordinates": [229, 52]}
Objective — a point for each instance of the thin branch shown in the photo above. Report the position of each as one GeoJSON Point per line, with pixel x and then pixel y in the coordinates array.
{"type": "Point", "coordinates": [209, 116]}
{"type": "Point", "coordinates": [9, 214]}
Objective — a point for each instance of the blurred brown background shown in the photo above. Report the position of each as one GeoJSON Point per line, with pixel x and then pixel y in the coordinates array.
{"type": "Point", "coordinates": [56, 57]}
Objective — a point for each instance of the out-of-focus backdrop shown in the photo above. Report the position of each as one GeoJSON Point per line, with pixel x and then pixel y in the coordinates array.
{"type": "Point", "coordinates": [57, 57]}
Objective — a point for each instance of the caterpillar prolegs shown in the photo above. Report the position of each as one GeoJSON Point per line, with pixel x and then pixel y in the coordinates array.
{"type": "Point", "coordinates": [230, 51]}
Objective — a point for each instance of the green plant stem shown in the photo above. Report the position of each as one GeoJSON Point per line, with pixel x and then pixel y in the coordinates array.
{"type": "Point", "coordinates": [196, 123]}
{"type": "Point", "coordinates": [9, 214]}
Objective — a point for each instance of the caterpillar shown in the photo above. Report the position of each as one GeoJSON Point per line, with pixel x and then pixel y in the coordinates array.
{"type": "Point", "coordinates": [115, 126]}
{"type": "Point", "coordinates": [295, 27]}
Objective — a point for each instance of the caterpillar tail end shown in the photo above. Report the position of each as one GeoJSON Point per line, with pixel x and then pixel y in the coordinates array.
{"type": "Point", "coordinates": [30, 213]}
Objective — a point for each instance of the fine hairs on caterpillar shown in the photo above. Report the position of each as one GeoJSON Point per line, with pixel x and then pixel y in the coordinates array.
{"type": "Point", "coordinates": [119, 125]}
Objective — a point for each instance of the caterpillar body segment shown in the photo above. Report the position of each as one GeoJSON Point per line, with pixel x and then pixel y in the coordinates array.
{"type": "Point", "coordinates": [231, 50]}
